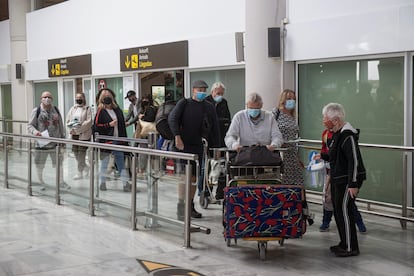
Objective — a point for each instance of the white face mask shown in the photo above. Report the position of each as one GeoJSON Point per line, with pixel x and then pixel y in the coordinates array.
{"type": "Point", "coordinates": [46, 101]}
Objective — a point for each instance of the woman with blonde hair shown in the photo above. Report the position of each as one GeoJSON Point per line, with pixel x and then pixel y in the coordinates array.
{"type": "Point", "coordinates": [284, 115]}
{"type": "Point", "coordinates": [110, 121]}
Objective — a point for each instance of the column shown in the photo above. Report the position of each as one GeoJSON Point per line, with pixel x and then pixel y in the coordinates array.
{"type": "Point", "coordinates": [263, 74]}
{"type": "Point", "coordinates": [21, 101]}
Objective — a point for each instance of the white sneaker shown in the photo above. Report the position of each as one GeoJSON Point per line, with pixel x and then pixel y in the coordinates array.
{"type": "Point", "coordinates": [86, 170]}
{"type": "Point", "coordinates": [78, 176]}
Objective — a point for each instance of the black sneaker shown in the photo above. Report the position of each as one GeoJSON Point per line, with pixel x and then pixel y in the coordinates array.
{"type": "Point", "coordinates": [102, 187]}
{"type": "Point", "coordinates": [343, 253]}
{"type": "Point", "coordinates": [335, 248]}
{"type": "Point", "coordinates": [195, 214]}
{"type": "Point", "coordinates": [127, 187]}
{"type": "Point", "coordinates": [219, 196]}
{"type": "Point", "coordinates": [180, 210]}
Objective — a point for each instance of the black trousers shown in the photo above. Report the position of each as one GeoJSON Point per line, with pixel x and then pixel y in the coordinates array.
{"type": "Point", "coordinates": [344, 218]}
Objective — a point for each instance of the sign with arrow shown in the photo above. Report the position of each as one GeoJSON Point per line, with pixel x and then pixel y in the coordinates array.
{"type": "Point", "coordinates": [70, 66]}
{"type": "Point", "coordinates": [160, 56]}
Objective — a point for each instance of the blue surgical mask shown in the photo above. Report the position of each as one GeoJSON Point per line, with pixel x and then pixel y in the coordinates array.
{"type": "Point", "coordinates": [290, 104]}
{"type": "Point", "coordinates": [200, 96]}
{"type": "Point", "coordinates": [218, 99]}
{"type": "Point", "coordinates": [253, 112]}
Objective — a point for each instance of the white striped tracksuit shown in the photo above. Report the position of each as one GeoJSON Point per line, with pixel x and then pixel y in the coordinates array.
{"type": "Point", "coordinates": [347, 171]}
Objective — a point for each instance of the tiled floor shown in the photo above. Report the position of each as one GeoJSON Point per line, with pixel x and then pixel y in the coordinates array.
{"type": "Point", "coordinates": [38, 237]}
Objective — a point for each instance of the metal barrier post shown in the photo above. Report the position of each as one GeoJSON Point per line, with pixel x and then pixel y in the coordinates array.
{"type": "Point", "coordinates": [91, 182]}
{"type": "Point", "coordinates": [29, 169]}
{"type": "Point", "coordinates": [57, 194]}
{"type": "Point", "coordinates": [152, 186]}
{"type": "Point", "coordinates": [187, 218]}
{"type": "Point", "coordinates": [97, 155]}
{"type": "Point", "coordinates": [404, 192]}
{"type": "Point", "coordinates": [20, 139]}
{"type": "Point", "coordinates": [6, 165]}
{"type": "Point", "coordinates": [134, 192]}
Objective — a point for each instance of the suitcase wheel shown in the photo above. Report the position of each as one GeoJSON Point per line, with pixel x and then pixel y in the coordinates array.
{"type": "Point", "coordinates": [204, 200]}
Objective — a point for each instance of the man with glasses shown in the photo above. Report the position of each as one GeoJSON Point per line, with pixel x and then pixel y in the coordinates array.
{"type": "Point", "coordinates": [45, 120]}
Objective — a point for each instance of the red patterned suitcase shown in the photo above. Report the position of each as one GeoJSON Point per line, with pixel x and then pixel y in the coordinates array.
{"type": "Point", "coordinates": [261, 211]}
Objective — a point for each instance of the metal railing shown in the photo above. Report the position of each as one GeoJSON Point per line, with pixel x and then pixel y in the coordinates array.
{"type": "Point", "coordinates": [151, 212]}
{"type": "Point", "coordinates": [403, 208]}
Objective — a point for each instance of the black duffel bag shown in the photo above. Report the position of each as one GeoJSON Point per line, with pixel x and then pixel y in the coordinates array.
{"type": "Point", "coordinates": [257, 156]}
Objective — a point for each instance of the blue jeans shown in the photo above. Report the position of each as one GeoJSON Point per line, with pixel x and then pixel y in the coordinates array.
{"type": "Point", "coordinates": [120, 164]}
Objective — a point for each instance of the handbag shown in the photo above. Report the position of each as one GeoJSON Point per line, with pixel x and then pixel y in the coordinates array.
{"type": "Point", "coordinates": [257, 156]}
{"type": "Point", "coordinates": [145, 128]}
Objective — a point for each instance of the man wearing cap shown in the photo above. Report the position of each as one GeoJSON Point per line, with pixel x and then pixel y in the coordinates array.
{"type": "Point", "coordinates": [132, 116]}
{"type": "Point", "coordinates": [190, 121]}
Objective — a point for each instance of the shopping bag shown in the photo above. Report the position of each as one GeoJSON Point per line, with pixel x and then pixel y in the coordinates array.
{"type": "Point", "coordinates": [145, 128]}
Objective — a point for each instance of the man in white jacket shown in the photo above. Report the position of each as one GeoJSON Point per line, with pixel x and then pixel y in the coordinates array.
{"type": "Point", "coordinates": [253, 126]}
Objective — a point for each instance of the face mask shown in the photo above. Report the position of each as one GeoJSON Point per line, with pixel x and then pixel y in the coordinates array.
{"type": "Point", "coordinates": [200, 96]}
{"type": "Point", "coordinates": [253, 113]}
{"type": "Point", "coordinates": [46, 101]}
{"type": "Point", "coordinates": [218, 99]}
{"type": "Point", "coordinates": [144, 103]}
{"type": "Point", "coordinates": [290, 104]}
{"type": "Point", "coordinates": [79, 101]}
{"type": "Point", "coordinates": [107, 100]}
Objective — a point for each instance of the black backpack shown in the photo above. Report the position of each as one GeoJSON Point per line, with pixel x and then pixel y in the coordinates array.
{"type": "Point", "coordinates": [161, 119]}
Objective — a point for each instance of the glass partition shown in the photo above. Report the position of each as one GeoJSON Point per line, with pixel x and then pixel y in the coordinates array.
{"type": "Point", "coordinates": [6, 107]}
{"type": "Point", "coordinates": [40, 87]}
{"type": "Point", "coordinates": [372, 92]}
{"type": "Point", "coordinates": [233, 79]}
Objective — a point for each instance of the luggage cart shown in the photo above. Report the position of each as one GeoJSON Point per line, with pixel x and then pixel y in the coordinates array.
{"type": "Point", "coordinates": [214, 170]}
{"type": "Point", "coordinates": [258, 208]}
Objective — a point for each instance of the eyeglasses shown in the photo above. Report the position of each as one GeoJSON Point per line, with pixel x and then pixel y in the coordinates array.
{"type": "Point", "coordinates": [47, 97]}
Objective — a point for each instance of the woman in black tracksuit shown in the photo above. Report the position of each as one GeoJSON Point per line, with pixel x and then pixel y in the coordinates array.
{"type": "Point", "coordinates": [347, 174]}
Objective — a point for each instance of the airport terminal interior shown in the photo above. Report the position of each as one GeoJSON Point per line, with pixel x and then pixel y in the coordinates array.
{"type": "Point", "coordinates": [361, 57]}
{"type": "Point", "coordinates": [38, 236]}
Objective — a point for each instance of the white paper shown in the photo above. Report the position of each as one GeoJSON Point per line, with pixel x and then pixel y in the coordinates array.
{"type": "Point", "coordinates": [42, 142]}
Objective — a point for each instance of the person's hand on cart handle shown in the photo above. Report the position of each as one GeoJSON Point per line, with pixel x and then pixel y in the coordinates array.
{"type": "Point", "coordinates": [238, 147]}
{"type": "Point", "coordinates": [179, 142]}
{"type": "Point", "coordinates": [271, 147]}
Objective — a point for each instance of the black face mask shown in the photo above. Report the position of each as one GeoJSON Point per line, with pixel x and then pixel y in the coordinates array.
{"type": "Point", "coordinates": [107, 100]}
{"type": "Point", "coordinates": [79, 101]}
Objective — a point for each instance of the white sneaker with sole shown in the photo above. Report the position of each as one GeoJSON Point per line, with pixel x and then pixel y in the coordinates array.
{"type": "Point", "coordinates": [78, 176]}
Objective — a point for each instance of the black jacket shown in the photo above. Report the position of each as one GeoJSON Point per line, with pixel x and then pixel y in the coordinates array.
{"type": "Point", "coordinates": [187, 119]}
{"type": "Point", "coordinates": [345, 159]}
{"type": "Point", "coordinates": [101, 124]}
{"type": "Point", "coordinates": [223, 115]}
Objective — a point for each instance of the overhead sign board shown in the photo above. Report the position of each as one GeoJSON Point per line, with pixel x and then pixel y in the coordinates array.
{"type": "Point", "coordinates": [70, 66]}
{"type": "Point", "coordinates": [168, 55]}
